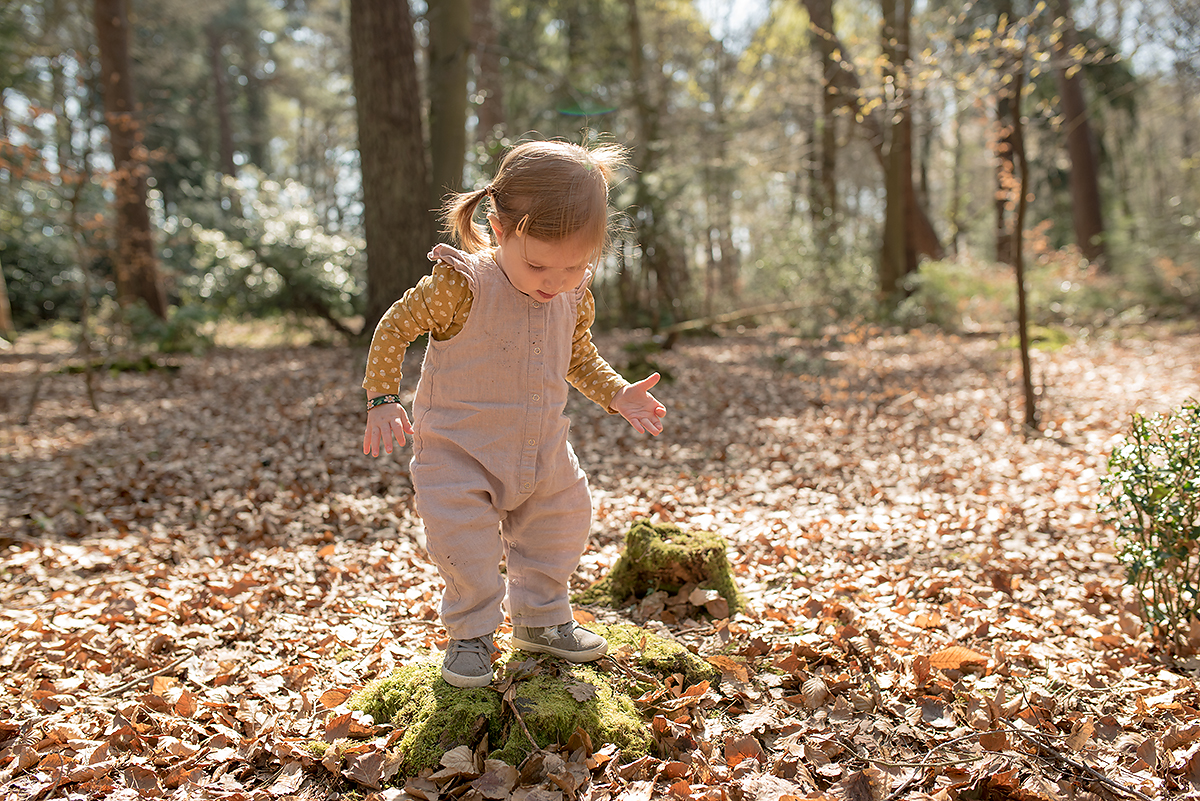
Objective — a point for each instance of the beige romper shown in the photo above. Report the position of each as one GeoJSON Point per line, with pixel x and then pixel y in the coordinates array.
{"type": "Point", "coordinates": [495, 476]}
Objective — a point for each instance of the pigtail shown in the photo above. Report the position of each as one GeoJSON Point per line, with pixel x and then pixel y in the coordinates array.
{"type": "Point", "coordinates": [458, 220]}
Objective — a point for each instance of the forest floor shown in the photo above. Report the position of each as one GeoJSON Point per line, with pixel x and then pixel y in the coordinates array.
{"type": "Point", "coordinates": [193, 577]}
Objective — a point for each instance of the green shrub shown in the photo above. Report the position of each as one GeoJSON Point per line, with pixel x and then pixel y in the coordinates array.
{"type": "Point", "coordinates": [1153, 500]}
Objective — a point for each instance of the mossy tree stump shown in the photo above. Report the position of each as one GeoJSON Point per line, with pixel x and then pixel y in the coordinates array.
{"type": "Point", "coordinates": [553, 699]}
{"type": "Point", "coordinates": [667, 558]}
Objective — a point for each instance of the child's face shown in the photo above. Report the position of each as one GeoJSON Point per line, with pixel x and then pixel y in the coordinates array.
{"type": "Point", "coordinates": [540, 268]}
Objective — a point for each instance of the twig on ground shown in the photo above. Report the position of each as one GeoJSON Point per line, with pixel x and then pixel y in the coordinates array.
{"type": "Point", "coordinates": [629, 670]}
{"type": "Point", "coordinates": [1055, 755]}
{"type": "Point", "coordinates": [120, 688]}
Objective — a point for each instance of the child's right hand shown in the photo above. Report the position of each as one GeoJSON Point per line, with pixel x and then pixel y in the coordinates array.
{"type": "Point", "coordinates": [383, 423]}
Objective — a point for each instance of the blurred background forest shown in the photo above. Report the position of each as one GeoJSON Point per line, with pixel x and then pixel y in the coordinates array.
{"type": "Point", "coordinates": [165, 166]}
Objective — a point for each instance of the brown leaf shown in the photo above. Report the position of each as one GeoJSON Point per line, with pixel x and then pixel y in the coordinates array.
{"type": "Point", "coordinates": [366, 768]}
{"type": "Point", "coordinates": [637, 791]}
{"type": "Point", "coordinates": [497, 780]}
{"type": "Point", "coordinates": [994, 740]}
{"type": "Point", "coordinates": [349, 724]}
{"type": "Point", "coordinates": [1081, 732]}
{"type": "Point", "coordinates": [334, 697]}
{"type": "Point", "coordinates": [920, 669]}
{"type": "Point", "coordinates": [289, 780]}
{"type": "Point", "coordinates": [936, 712]}
{"type": "Point", "coordinates": [727, 664]}
{"type": "Point", "coordinates": [185, 705]}
{"type": "Point", "coordinates": [738, 749]}
{"type": "Point", "coordinates": [142, 779]}
{"type": "Point", "coordinates": [863, 785]}
{"type": "Point", "coordinates": [815, 692]}
{"type": "Point", "coordinates": [956, 657]}
{"type": "Point", "coordinates": [456, 762]}
{"type": "Point", "coordinates": [580, 739]}
{"type": "Point", "coordinates": [681, 789]}
{"type": "Point", "coordinates": [581, 691]}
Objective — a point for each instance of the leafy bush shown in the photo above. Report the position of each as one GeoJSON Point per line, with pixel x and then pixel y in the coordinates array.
{"type": "Point", "coordinates": [280, 259]}
{"type": "Point", "coordinates": [1153, 489]}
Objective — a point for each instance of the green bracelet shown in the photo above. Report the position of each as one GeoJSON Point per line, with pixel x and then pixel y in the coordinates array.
{"type": "Point", "coordinates": [382, 399]}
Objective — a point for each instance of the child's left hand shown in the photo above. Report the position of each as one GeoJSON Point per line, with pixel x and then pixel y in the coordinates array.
{"type": "Point", "coordinates": [639, 407]}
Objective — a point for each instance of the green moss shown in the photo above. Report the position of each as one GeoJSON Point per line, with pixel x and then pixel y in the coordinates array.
{"type": "Point", "coordinates": [553, 714]}
{"type": "Point", "coordinates": [659, 656]}
{"type": "Point", "coordinates": [665, 557]}
{"type": "Point", "coordinates": [437, 717]}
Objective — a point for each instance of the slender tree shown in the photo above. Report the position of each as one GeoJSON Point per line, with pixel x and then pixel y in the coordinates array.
{"type": "Point", "coordinates": [1003, 147]}
{"type": "Point", "coordinates": [489, 82]}
{"type": "Point", "coordinates": [136, 261]}
{"type": "Point", "coordinates": [7, 330]}
{"type": "Point", "coordinates": [898, 257]}
{"type": "Point", "coordinates": [395, 177]}
{"type": "Point", "coordinates": [1018, 250]}
{"type": "Point", "coordinates": [848, 90]}
{"type": "Point", "coordinates": [1086, 211]}
{"type": "Point", "coordinates": [825, 207]}
{"type": "Point", "coordinates": [449, 51]}
{"type": "Point", "coordinates": [660, 255]}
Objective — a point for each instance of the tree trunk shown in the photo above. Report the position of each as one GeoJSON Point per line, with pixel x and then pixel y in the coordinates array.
{"type": "Point", "coordinates": [258, 136]}
{"type": "Point", "coordinates": [956, 193]}
{"type": "Point", "coordinates": [221, 101]}
{"type": "Point", "coordinates": [898, 257]}
{"type": "Point", "coordinates": [660, 256]}
{"type": "Point", "coordinates": [722, 182]}
{"type": "Point", "coordinates": [1018, 141]}
{"type": "Point", "coordinates": [1081, 149]}
{"type": "Point", "coordinates": [449, 49]}
{"type": "Point", "coordinates": [7, 329]}
{"type": "Point", "coordinates": [395, 177]}
{"type": "Point", "coordinates": [136, 261]}
{"type": "Point", "coordinates": [825, 212]}
{"type": "Point", "coordinates": [1003, 149]}
{"type": "Point", "coordinates": [489, 83]}
{"type": "Point", "coordinates": [847, 90]}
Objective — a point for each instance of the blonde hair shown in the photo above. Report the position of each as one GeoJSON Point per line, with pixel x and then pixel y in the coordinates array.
{"type": "Point", "coordinates": [549, 190]}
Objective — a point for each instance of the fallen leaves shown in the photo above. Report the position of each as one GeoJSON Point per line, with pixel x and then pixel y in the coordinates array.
{"type": "Point", "coordinates": [933, 605]}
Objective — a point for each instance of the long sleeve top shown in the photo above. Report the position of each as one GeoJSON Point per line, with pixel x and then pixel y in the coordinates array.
{"type": "Point", "coordinates": [440, 304]}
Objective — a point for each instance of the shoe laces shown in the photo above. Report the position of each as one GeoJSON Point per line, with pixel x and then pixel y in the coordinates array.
{"type": "Point", "coordinates": [479, 645]}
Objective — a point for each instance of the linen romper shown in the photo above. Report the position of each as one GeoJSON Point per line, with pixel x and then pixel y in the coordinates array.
{"type": "Point", "coordinates": [494, 474]}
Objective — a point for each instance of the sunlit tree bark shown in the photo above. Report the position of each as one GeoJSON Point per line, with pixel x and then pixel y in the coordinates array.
{"type": "Point", "coordinates": [1086, 211]}
{"type": "Point", "coordinates": [449, 49]}
{"type": "Point", "coordinates": [660, 255]}
{"type": "Point", "coordinates": [898, 257]}
{"type": "Point", "coordinates": [395, 177]}
{"type": "Point", "coordinates": [136, 262]}
{"type": "Point", "coordinates": [488, 79]}
{"type": "Point", "coordinates": [7, 330]}
{"type": "Point", "coordinates": [848, 91]}
{"type": "Point", "coordinates": [825, 210]}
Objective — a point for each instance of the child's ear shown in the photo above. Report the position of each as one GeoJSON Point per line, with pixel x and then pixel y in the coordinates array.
{"type": "Point", "coordinates": [498, 231]}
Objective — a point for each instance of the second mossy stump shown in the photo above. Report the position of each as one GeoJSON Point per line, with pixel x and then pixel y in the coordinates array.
{"type": "Point", "coordinates": [668, 558]}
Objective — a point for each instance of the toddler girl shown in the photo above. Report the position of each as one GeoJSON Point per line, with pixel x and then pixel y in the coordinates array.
{"type": "Point", "coordinates": [508, 324]}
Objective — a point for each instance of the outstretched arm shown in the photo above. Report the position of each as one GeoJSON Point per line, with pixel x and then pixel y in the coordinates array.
{"type": "Point", "coordinates": [639, 407]}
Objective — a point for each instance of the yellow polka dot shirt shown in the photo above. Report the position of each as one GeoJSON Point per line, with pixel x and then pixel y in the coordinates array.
{"type": "Point", "coordinates": [439, 305]}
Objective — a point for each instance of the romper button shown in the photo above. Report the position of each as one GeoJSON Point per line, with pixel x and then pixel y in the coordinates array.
{"type": "Point", "coordinates": [537, 397]}
{"type": "Point", "coordinates": [525, 485]}
{"type": "Point", "coordinates": [533, 442]}
{"type": "Point", "coordinates": [536, 305]}
{"type": "Point", "coordinates": [537, 350]}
